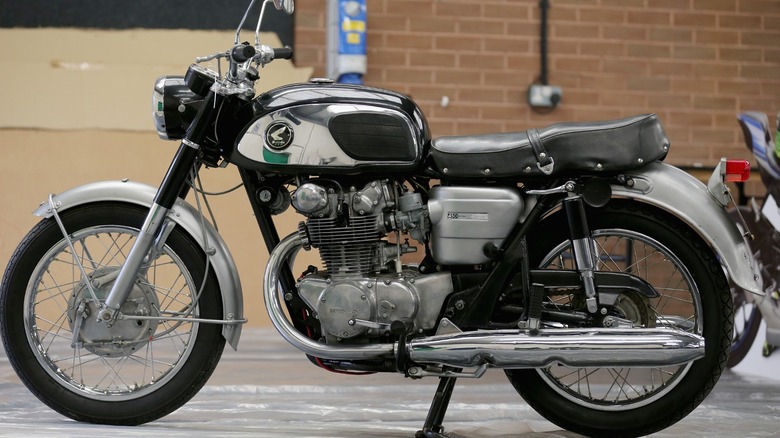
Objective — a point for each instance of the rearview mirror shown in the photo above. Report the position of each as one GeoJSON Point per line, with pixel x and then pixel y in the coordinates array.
{"type": "Point", "coordinates": [287, 6]}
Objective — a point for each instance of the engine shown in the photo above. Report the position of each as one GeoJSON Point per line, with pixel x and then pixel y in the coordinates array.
{"type": "Point", "coordinates": [364, 287]}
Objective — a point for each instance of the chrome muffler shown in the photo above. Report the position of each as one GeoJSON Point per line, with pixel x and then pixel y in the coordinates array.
{"type": "Point", "coordinates": [586, 347]}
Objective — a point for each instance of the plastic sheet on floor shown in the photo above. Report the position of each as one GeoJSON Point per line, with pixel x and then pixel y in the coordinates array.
{"type": "Point", "coordinates": [268, 389]}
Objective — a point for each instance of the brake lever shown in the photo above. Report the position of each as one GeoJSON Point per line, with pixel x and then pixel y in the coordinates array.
{"type": "Point", "coordinates": [210, 57]}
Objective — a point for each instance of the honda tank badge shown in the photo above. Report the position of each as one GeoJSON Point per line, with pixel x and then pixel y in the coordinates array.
{"type": "Point", "coordinates": [278, 135]}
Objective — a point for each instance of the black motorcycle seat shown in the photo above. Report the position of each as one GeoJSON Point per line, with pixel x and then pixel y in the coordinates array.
{"type": "Point", "coordinates": [558, 149]}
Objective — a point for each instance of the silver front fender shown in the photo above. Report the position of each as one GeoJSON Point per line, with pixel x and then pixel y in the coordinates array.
{"type": "Point", "coordinates": [185, 216]}
{"type": "Point", "coordinates": [687, 198]}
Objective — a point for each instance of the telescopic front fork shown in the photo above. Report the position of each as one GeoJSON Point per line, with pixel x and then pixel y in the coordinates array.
{"type": "Point", "coordinates": [174, 185]}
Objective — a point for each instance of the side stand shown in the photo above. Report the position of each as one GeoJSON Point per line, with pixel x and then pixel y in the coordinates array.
{"type": "Point", "coordinates": [433, 423]}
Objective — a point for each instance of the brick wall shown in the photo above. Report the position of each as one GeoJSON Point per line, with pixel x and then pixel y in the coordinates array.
{"type": "Point", "coordinates": [696, 63]}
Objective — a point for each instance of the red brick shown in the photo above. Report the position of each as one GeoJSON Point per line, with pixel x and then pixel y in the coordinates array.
{"type": "Point", "coordinates": [697, 85]}
{"type": "Point", "coordinates": [509, 11]}
{"type": "Point", "coordinates": [386, 23]}
{"type": "Point", "coordinates": [764, 39]}
{"type": "Point", "coordinates": [669, 100]}
{"type": "Point", "coordinates": [625, 33]}
{"type": "Point", "coordinates": [739, 21]}
{"type": "Point", "coordinates": [671, 68]}
{"type": "Point", "coordinates": [506, 45]}
{"type": "Point", "coordinates": [694, 19]}
{"type": "Point", "coordinates": [649, 17]}
{"type": "Point", "coordinates": [689, 118]}
{"type": "Point", "coordinates": [694, 52]}
{"type": "Point", "coordinates": [459, 77]}
{"type": "Point", "coordinates": [602, 48]}
{"type": "Point", "coordinates": [624, 3]}
{"type": "Point", "coordinates": [481, 94]}
{"type": "Point", "coordinates": [456, 42]}
{"type": "Point", "coordinates": [720, 37]}
{"type": "Point", "coordinates": [648, 84]}
{"type": "Point", "coordinates": [714, 102]}
{"type": "Point", "coordinates": [600, 15]}
{"type": "Point", "coordinates": [715, 70]}
{"type": "Point", "coordinates": [487, 61]}
{"type": "Point", "coordinates": [482, 27]}
{"type": "Point", "coordinates": [405, 75]}
{"type": "Point", "coordinates": [431, 59]}
{"type": "Point", "coordinates": [457, 9]}
{"type": "Point", "coordinates": [628, 99]}
{"type": "Point", "coordinates": [740, 54]}
{"type": "Point", "coordinates": [670, 4]}
{"type": "Point", "coordinates": [431, 25]}
{"type": "Point", "coordinates": [715, 5]}
{"type": "Point", "coordinates": [579, 64]}
{"type": "Point", "coordinates": [630, 67]}
{"type": "Point", "coordinates": [769, 71]}
{"type": "Point", "coordinates": [409, 8]}
{"type": "Point", "coordinates": [739, 87]}
{"type": "Point", "coordinates": [760, 6]}
{"type": "Point", "coordinates": [575, 31]}
{"type": "Point", "coordinates": [670, 34]}
{"type": "Point", "coordinates": [649, 50]}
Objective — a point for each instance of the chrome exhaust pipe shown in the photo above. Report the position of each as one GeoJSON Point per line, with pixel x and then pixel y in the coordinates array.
{"type": "Point", "coordinates": [586, 347]}
{"type": "Point", "coordinates": [279, 256]}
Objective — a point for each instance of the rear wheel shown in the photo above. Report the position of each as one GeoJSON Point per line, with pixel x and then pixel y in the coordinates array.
{"type": "Point", "coordinates": [693, 296]}
{"type": "Point", "coordinates": [130, 372]}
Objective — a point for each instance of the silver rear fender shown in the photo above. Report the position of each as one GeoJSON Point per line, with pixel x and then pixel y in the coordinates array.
{"type": "Point", "coordinates": [688, 199]}
{"type": "Point", "coordinates": [183, 215]}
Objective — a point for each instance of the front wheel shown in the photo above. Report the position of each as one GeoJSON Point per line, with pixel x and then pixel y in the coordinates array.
{"type": "Point", "coordinates": [126, 373]}
{"type": "Point", "coordinates": [692, 296]}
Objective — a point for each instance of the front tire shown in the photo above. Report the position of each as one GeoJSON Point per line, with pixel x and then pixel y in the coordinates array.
{"type": "Point", "coordinates": [134, 371]}
{"type": "Point", "coordinates": [693, 296]}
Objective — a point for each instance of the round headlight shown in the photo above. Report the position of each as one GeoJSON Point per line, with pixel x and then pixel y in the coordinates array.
{"type": "Point", "coordinates": [174, 106]}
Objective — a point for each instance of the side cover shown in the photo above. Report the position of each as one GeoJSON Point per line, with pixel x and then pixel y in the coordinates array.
{"type": "Point", "coordinates": [326, 128]}
{"type": "Point", "coordinates": [185, 216]}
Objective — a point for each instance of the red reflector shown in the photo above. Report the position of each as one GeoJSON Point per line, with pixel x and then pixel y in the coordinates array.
{"type": "Point", "coordinates": [737, 170]}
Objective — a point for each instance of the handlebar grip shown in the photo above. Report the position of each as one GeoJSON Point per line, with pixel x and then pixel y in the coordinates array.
{"type": "Point", "coordinates": [283, 53]}
{"type": "Point", "coordinates": [242, 52]}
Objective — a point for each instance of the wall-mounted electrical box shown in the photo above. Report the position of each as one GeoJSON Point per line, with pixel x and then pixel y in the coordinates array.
{"type": "Point", "coordinates": [544, 96]}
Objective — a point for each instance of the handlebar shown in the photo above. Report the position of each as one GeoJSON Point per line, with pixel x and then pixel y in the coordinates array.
{"type": "Point", "coordinates": [242, 53]}
{"type": "Point", "coordinates": [283, 53]}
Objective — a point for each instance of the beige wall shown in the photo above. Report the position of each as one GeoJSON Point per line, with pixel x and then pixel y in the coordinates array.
{"type": "Point", "coordinates": [77, 109]}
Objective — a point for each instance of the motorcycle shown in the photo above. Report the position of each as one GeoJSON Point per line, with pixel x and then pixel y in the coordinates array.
{"type": "Point", "coordinates": [571, 257]}
{"type": "Point", "coordinates": [763, 223]}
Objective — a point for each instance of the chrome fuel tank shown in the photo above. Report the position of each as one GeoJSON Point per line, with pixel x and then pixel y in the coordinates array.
{"type": "Point", "coordinates": [327, 128]}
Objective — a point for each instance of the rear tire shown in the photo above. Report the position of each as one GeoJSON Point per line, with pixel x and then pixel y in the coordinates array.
{"type": "Point", "coordinates": [694, 296]}
{"type": "Point", "coordinates": [747, 315]}
{"type": "Point", "coordinates": [134, 372]}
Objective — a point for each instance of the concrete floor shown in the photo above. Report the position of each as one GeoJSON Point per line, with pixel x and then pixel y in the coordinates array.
{"type": "Point", "coordinates": [268, 389]}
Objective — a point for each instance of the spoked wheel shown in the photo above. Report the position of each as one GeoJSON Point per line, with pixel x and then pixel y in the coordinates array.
{"type": "Point", "coordinates": [133, 370]}
{"type": "Point", "coordinates": [692, 296]}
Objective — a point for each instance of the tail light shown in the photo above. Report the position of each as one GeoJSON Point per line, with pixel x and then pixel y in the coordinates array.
{"type": "Point", "coordinates": [727, 171]}
{"type": "Point", "coordinates": [737, 171]}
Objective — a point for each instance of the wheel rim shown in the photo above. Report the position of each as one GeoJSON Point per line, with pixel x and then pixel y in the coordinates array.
{"type": "Point", "coordinates": [133, 357]}
{"type": "Point", "coordinates": [678, 306]}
